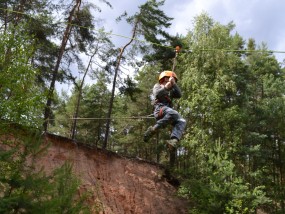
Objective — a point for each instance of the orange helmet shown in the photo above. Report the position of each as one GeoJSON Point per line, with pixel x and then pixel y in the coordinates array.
{"type": "Point", "coordinates": [167, 74]}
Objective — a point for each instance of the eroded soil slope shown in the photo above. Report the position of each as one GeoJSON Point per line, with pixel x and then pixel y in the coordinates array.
{"type": "Point", "coordinates": [122, 185]}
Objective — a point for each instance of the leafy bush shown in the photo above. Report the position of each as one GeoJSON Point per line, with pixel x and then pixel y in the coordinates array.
{"type": "Point", "coordinates": [20, 97]}
{"type": "Point", "coordinates": [216, 187]}
{"type": "Point", "coordinates": [24, 189]}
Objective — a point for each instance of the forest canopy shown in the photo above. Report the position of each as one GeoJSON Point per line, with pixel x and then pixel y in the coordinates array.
{"type": "Point", "coordinates": [231, 158]}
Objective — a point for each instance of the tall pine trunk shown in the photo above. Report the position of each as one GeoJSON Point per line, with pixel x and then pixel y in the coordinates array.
{"type": "Point", "coordinates": [65, 38]}
{"type": "Point", "coordinates": [114, 86]}
{"type": "Point", "coordinates": [74, 122]}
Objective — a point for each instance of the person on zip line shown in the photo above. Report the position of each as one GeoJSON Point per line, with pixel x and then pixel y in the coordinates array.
{"type": "Point", "coordinates": [164, 91]}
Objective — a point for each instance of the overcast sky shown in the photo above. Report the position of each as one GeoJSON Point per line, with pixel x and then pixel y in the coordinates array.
{"type": "Point", "coordinates": [263, 20]}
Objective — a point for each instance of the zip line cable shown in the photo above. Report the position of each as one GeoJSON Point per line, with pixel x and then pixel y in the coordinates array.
{"type": "Point", "coordinates": [98, 118]}
{"type": "Point", "coordinates": [144, 41]}
{"type": "Point", "coordinates": [113, 118]}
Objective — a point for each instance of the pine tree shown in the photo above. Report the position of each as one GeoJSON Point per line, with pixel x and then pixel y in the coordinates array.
{"type": "Point", "coordinates": [216, 86]}
{"type": "Point", "coordinates": [78, 34]}
{"type": "Point", "coordinates": [27, 189]}
{"type": "Point", "coordinates": [149, 23]}
{"type": "Point", "coordinates": [21, 98]}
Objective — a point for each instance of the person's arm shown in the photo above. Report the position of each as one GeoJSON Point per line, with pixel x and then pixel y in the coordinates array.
{"type": "Point", "coordinates": [176, 92]}
{"type": "Point", "coordinates": [159, 91]}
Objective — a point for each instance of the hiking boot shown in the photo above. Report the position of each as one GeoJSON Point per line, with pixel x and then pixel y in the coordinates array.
{"type": "Point", "coordinates": [172, 143]}
{"type": "Point", "coordinates": [148, 134]}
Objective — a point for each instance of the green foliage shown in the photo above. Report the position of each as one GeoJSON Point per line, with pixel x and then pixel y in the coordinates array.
{"type": "Point", "coordinates": [236, 100]}
{"type": "Point", "coordinates": [129, 89]}
{"type": "Point", "coordinates": [232, 155]}
{"type": "Point", "coordinates": [20, 97]}
{"type": "Point", "coordinates": [151, 24]}
{"type": "Point", "coordinates": [219, 189]}
{"type": "Point", "coordinates": [27, 189]}
{"type": "Point", "coordinates": [139, 104]}
{"type": "Point", "coordinates": [94, 105]}
{"type": "Point", "coordinates": [66, 189]}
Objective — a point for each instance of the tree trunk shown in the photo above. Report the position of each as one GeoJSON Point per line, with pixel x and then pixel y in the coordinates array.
{"type": "Point", "coordinates": [74, 122]}
{"type": "Point", "coordinates": [66, 35]}
{"type": "Point", "coordinates": [114, 86]}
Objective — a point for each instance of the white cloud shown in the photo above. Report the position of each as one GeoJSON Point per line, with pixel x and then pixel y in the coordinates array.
{"type": "Point", "coordinates": [262, 20]}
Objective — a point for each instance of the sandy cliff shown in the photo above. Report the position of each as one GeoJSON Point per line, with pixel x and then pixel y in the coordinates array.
{"type": "Point", "coordinates": [119, 185]}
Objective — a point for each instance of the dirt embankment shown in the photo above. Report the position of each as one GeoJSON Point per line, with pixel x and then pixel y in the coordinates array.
{"type": "Point", "coordinates": [119, 185]}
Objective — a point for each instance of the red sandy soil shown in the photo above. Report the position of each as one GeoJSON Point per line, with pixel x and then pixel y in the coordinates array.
{"type": "Point", "coordinates": [119, 185]}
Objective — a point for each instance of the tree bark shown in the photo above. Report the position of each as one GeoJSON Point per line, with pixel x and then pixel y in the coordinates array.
{"type": "Point", "coordinates": [74, 123]}
{"type": "Point", "coordinates": [114, 86]}
{"type": "Point", "coordinates": [65, 38]}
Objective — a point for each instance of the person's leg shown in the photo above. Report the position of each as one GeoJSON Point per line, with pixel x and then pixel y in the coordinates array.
{"type": "Point", "coordinates": [149, 133]}
{"type": "Point", "coordinates": [171, 116]}
{"type": "Point", "coordinates": [178, 128]}
{"type": "Point", "coordinates": [163, 116]}
{"type": "Point", "coordinates": [168, 116]}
